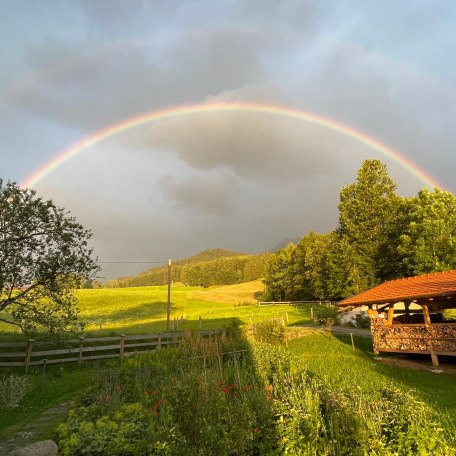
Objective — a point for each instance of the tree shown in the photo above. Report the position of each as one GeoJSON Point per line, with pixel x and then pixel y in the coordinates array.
{"type": "Point", "coordinates": [279, 274]}
{"type": "Point", "coordinates": [367, 215]}
{"type": "Point", "coordinates": [429, 242]}
{"type": "Point", "coordinates": [44, 254]}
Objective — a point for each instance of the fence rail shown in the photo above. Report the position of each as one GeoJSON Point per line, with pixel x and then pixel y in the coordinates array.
{"type": "Point", "coordinates": [296, 303]}
{"type": "Point", "coordinates": [30, 353]}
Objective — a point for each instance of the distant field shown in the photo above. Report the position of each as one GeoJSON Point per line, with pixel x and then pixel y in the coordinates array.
{"type": "Point", "coordinates": [143, 309]}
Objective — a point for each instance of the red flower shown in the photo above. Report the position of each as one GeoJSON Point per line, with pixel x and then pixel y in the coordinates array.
{"type": "Point", "coordinates": [163, 401]}
{"type": "Point", "coordinates": [222, 383]}
{"type": "Point", "coordinates": [268, 387]}
{"type": "Point", "coordinates": [269, 396]}
{"type": "Point", "coordinates": [236, 394]}
{"type": "Point", "coordinates": [226, 390]}
{"type": "Point", "coordinates": [232, 386]}
{"type": "Point", "coordinates": [245, 389]}
{"type": "Point", "coordinates": [255, 430]}
{"type": "Point", "coordinates": [153, 392]}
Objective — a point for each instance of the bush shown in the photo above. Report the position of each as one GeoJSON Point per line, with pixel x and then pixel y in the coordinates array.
{"type": "Point", "coordinates": [270, 331]}
{"type": "Point", "coordinates": [326, 315]}
{"type": "Point", "coordinates": [362, 320]}
{"type": "Point", "coordinates": [12, 390]}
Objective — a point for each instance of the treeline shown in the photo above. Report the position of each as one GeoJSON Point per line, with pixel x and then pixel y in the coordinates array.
{"type": "Point", "coordinates": [211, 267]}
{"type": "Point", "coordinates": [381, 236]}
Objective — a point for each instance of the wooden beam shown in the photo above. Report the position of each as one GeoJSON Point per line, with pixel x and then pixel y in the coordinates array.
{"type": "Point", "coordinates": [390, 315]}
{"type": "Point", "coordinates": [434, 357]}
{"type": "Point", "coordinates": [427, 317]}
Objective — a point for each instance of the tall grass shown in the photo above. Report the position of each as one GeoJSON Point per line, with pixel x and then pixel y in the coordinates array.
{"type": "Point", "coordinates": [227, 396]}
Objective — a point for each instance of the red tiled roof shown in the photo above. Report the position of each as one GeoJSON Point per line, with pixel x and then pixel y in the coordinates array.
{"type": "Point", "coordinates": [435, 285]}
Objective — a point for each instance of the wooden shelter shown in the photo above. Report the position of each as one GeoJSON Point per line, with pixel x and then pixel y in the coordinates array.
{"type": "Point", "coordinates": [407, 315]}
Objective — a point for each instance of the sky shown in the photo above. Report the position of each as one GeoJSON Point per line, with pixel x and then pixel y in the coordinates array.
{"type": "Point", "coordinates": [236, 180]}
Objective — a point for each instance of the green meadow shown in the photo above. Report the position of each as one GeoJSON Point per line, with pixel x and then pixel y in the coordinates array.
{"type": "Point", "coordinates": [351, 377]}
{"type": "Point", "coordinates": [140, 310]}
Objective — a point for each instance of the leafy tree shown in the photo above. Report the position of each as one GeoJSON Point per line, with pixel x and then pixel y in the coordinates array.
{"type": "Point", "coordinates": [279, 274]}
{"type": "Point", "coordinates": [255, 267]}
{"type": "Point", "coordinates": [43, 255]}
{"type": "Point", "coordinates": [367, 215]}
{"type": "Point", "coordinates": [429, 242]}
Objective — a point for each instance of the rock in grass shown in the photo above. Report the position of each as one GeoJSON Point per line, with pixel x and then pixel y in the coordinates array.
{"type": "Point", "coordinates": [44, 448]}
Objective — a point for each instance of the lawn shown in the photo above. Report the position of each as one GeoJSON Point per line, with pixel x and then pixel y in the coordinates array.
{"type": "Point", "coordinates": [331, 357]}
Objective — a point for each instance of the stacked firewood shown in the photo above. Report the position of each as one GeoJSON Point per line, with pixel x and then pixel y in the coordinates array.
{"type": "Point", "coordinates": [441, 338]}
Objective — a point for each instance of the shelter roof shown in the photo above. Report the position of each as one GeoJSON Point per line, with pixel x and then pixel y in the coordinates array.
{"type": "Point", "coordinates": [430, 287]}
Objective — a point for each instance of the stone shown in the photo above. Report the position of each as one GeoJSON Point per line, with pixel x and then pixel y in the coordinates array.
{"type": "Point", "coordinates": [43, 448]}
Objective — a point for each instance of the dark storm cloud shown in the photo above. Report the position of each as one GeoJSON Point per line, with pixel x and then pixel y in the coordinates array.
{"type": "Point", "coordinates": [91, 88]}
{"type": "Point", "coordinates": [240, 181]}
{"type": "Point", "coordinates": [215, 196]}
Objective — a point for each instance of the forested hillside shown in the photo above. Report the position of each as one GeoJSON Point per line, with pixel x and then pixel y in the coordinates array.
{"type": "Point", "coordinates": [210, 267]}
{"type": "Point", "coordinates": [381, 236]}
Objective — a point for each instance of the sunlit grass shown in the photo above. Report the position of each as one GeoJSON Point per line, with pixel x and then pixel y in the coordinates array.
{"type": "Point", "coordinates": [143, 309]}
{"type": "Point", "coordinates": [333, 358]}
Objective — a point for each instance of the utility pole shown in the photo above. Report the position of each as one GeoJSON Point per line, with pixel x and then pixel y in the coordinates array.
{"type": "Point", "coordinates": [168, 309]}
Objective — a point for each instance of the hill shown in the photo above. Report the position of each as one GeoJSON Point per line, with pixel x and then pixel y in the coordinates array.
{"type": "Point", "coordinates": [207, 268]}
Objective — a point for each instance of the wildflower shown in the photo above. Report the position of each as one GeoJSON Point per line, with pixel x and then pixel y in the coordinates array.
{"type": "Point", "coordinates": [268, 387]}
{"type": "Point", "coordinates": [232, 386]}
{"type": "Point", "coordinates": [226, 390]}
{"type": "Point", "coordinates": [146, 393]}
{"type": "Point", "coordinates": [255, 430]}
{"type": "Point", "coordinates": [153, 392]}
{"type": "Point", "coordinates": [269, 396]}
{"type": "Point", "coordinates": [245, 389]}
{"type": "Point", "coordinates": [118, 388]}
{"type": "Point", "coordinates": [236, 394]}
{"type": "Point", "coordinates": [163, 401]}
{"type": "Point", "coordinates": [222, 383]}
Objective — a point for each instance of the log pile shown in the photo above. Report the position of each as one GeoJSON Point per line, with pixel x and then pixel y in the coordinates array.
{"type": "Point", "coordinates": [440, 338]}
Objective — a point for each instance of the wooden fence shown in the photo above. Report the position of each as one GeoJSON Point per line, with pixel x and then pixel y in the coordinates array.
{"type": "Point", "coordinates": [34, 353]}
{"type": "Point", "coordinates": [296, 303]}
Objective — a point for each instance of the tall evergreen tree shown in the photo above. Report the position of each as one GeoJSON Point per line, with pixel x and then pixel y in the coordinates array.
{"type": "Point", "coordinates": [429, 242]}
{"type": "Point", "coordinates": [367, 217]}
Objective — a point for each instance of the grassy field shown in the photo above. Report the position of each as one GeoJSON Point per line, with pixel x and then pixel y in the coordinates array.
{"type": "Point", "coordinates": [114, 311]}
{"type": "Point", "coordinates": [331, 357]}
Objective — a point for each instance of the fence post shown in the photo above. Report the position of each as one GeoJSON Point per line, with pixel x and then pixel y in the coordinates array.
{"type": "Point", "coordinates": [122, 345]}
{"type": "Point", "coordinates": [81, 345]}
{"type": "Point", "coordinates": [43, 371]}
{"type": "Point", "coordinates": [353, 343]}
{"type": "Point", "coordinates": [28, 354]}
{"type": "Point", "coordinates": [200, 322]}
{"type": "Point", "coordinates": [312, 315]}
{"type": "Point", "coordinates": [159, 341]}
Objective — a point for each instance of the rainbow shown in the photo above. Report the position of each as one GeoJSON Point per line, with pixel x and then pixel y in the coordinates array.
{"type": "Point", "coordinates": [224, 107]}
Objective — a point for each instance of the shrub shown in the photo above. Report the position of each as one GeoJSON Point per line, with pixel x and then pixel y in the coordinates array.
{"type": "Point", "coordinates": [362, 320]}
{"type": "Point", "coordinates": [270, 331]}
{"type": "Point", "coordinates": [326, 315]}
{"type": "Point", "coordinates": [12, 390]}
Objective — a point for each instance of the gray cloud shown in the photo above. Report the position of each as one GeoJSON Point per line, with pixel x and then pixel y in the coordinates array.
{"type": "Point", "coordinates": [212, 196]}
{"type": "Point", "coordinates": [236, 180]}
